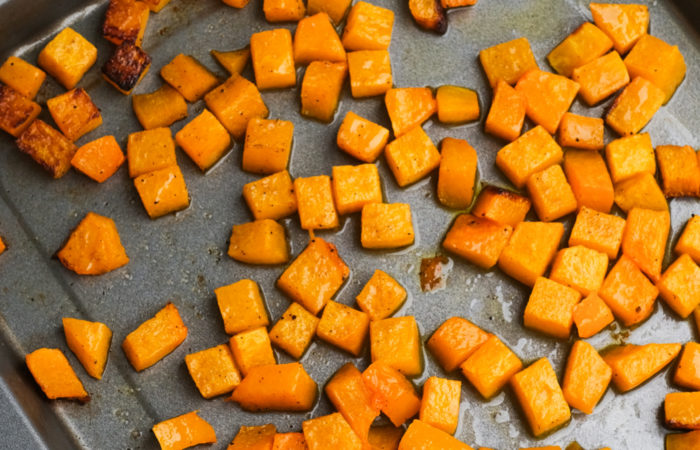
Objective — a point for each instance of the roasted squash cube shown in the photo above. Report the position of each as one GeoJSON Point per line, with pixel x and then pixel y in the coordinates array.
{"type": "Point", "coordinates": [644, 240]}
{"type": "Point", "coordinates": [235, 3]}
{"type": "Point", "coordinates": [632, 364]}
{"type": "Point", "coordinates": [412, 156]}
{"type": "Point", "coordinates": [355, 186]}
{"type": "Point", "coordinates": [589, 179]}
{"type": "Point", "coordinates": [233, 61]}
{"type": "Point", "coordinates": [213, 371]}
{"type": "Point", "coordinates": [314, 276]}
{"type": "Point", "coordinates": [368, 27]}
{"type": "Point", "coordinates": [381, 296]}
{"type": "Point", "coordinates": [284, 10]}
{"type": "Point", "coordinates": [582, 46]}
{"type": "Point", "coordinates": [550, 308]}
{"type": "Point", "coordinates": [241, 306]}
{"type": "Point", "coordinates": [17, 112]}
{"type": "Point", "coordinates": [315, 203]}
{"type": "Point", "coordinates": [440, 403]}
{"type": "Point", "coordinates": [386, 225]}
{"type": "Point", "coordinates": [48, 147]}
{"type": "Point", "coordinates": [551, 193]}
{"type": "Point", "coordinates": [689, 242]}
{"type": "Point", "coordinates": [628, 293]}
{"type": "Point", "coordinates": [361, 138]}
{"type": "Point", "coordinates": [530, 250]}
{"type": "Point", "coordinates": [315, 39]}
{"type": "Point", "coordinates": [160, 108]}
{"type": "Point", "coordinates": [74, 113]}
{"type": "Point", "coordinates": [162, 191]}
{"type": "Point", "coordinates": [625, 24]}
{"type": "Point", "coordinates": [547, 97]}
{"type": "Point", "coordinates": [456, 104]}
{"type": "Point", "coordinates": [687, 373]}
{"type": "Point", "coordinates": [683, 441]}
{"type": "Point", "coordinates": [454, 341]}
{"type": "Point", "coordinates": [278, 387]}
{"type": "Point", "coordinates": [347, 392]}
{"type": "Point", "coordinates": [370, 72]}
{"type": "Point", "coordinates": [252, 348]}
{"type": "Point", "coordinates": [155, 338]}
{"type": "Point", "coordinates": [409, 107]}
{"type": "Point", "coordinates": [321, 87]}
{"type": "Point", "coordinates": [294, 331]}
{"type": "Point", "coordinates": [581, 132]}
{"type": "Point", "coordinates": [658, 62]}
{"type": "Point", "coordinates": [681, 410]}
{"type": "Point", "coordinates": [99, 159]}
{"type": "Point", "coordinates": [186, 430]}
{"type": "Point", "coordinates": [640, 191]}
{"type": "Point", "coordinates": [396, 342]}
{"type": "Point", "coordinates": [477, 239]}
{"type": "Point", "coordinates": [156, 5]}
{"type": "Point", "coordinates": [507, 61]}
{"type": "Point", "coordinates": [421, 435]}
{"type": "Point", "coordinates": [601, 78]}
{"type": "Point", "coordinates": [391, 392]}
{"type": "Point", "coordinates": [507, 113]}
{"type": "Point", "coordinates": [268, 144]}
{"type": "Point", "coordinates": [126, 67]}
{"type": "Point", "coordinates": [331, 431]}
{"type": "Point", "coordinates": [344, 327]}
{"type": "Point", "coordinates": [680, 285]}
{"type": "Point", "coordinates": [67, 57]}
{"type": "Point", "coordinates": [429, 15]}
{"type": "Point", "coordinates": [22, 76]}
{"type": "Point", "coordinates": [54, 375]}
{"type": "Point", "coordinates": [457, 3]}
{"type": "Point", "coordinates": [259, 242]}
{"type": "Point", "coordinates": [628, 156]}
{"type": "Point", "coordinates": [501, 206]}
{"type": "Point", "coordinates": [273, 58]}
{"type": "Point", "coordinates": [634, 107]}
{"type": "Point", "coordinates": [150, 150]}
{"type": "Point", "coordinates": [591, 316]}
{"type": "Point", "coordinates": [530, 153]}
{"type": "Point", "coordinates": [125, 21]}
{"type": "Point", "coordinates": [271, 197]}
{"type": "Point", "coordinates": [335, 9]}
{"type": "Point", "coordinates": [89, 342]}
{"type": "Point", "coordinates": [680, 171]}
{"type": "Point", "coordinates": [384, 437]}
{"type": "Point", "coordinates": [580, 268]}
{"type": "Point", "coordinates": [204, 140]}
{"type": "Point", "coordinates": [189, 77]}
{"type": "Point", "coordinates": [490, 366]}
{"type": "Point", "coordinates": [598, 231]}
{"type": "Point", "coordinates": [256, 437]}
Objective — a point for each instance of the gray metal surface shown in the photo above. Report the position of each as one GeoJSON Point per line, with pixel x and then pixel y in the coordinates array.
{"type": "Point", "coordinates": [181, 258]}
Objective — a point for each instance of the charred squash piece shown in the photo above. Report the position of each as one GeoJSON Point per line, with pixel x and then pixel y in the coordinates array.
{"type": "Point", "coordinates": [429, 15]}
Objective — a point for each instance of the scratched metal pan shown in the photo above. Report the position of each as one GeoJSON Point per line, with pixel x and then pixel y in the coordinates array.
{"type": "Point", "coordinates": [182, 257]}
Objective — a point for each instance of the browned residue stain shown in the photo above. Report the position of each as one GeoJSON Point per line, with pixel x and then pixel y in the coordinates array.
{"type": "Point", "coordinates": [432, 273]}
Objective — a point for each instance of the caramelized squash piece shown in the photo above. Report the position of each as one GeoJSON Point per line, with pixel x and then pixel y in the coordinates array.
{"type": "Point", "coordinates": [22, 76]}
{"type": "Point", "coordinates": [294, 331]}
{"type": "Point", "coordinates": [252, 348]}
{"type": "Point", "coordinates": [125, 21]}
{"type": "Point", "coordinates": [599, 231]}
{"type": "Point", "coordinates": [682, 410]}
{"type": "Point", "coordinates": [687, 373]}
{"type": "Point", "coordinates": [74, 113]}
{"type": "Point", "coordinates": [17, 112]}
{"type": "Point", "coordinates": [386, 225]}
{"type": "Point", "coordinates": [260, 437]}
{"type": "Point", "coordinates": [429, 15]}
{"type": "Point", "coordinates": [478, 240]}
{"type": "Point", "coordinates": [501, 206]}
{"type": "Point", "coordinates": [454, 341]}
{"type": "Point", "coordinates": [689, 242]}
{"type": "Point", "coordinates": [48, 147]}
{"type": "Point", "coordinates": [160, 108]}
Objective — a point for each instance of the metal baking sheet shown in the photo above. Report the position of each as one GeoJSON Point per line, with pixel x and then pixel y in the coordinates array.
{"type": "Point", "coordinates": [181, 258]}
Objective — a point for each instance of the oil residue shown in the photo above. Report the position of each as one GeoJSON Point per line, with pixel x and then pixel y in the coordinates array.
{"type": "Point", "coordinates": [433, 272]}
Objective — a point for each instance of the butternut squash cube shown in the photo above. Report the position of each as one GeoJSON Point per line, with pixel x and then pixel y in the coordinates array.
{"type": "Point", "coordinates": [289, 441]}
{"type": "Point", "coordinates": [551, 194]}
{"type": "Point", "coordinates": [409, 107]}
{"type": "Point", "coordinates": [640, 191]}
{"type": "Point", "coordinates": [344, 327]}
{"type": "Point", "coordinates": [335, 9]}
{"type": "Point", "coordinates": [634, 107]}
{"type": "Point", "coordinates": [67, 57]}
{"type": "Point", "coordinates": [687, 373]}
{"type": "Point", "coordinates": [235, 3]}
{"type": "Point", "coordinates": [507, 113]}
{"type": "Point", "coordinates": [381, 297]}
{"type": "Point", "coordinates": [126, 67]}
{"type": "Point", "coordinates": [183, 431]}
{"type": "Point", "coordinates": [632, 364]}
{"type": "Point", "coordinates": [680, 171]}
{"type": "Point", "coordinates": [271, 197]}
{"type": "Point", "coordinates": [284, 10]}
{"type": "Point", "coordinates": [99, 159]}
{"type": "Point", "coordinates": [391, 392]}
{"type": "Point", "coordinates": [125, 21]}
{"type": "Point", "coordinates": [156, 5]}
{"type": "Point", "coordinates": [454, 341]}
{"type": "Point", "coordinates": [234, 103]}
{"type": "Point", "coordinates": [532, 152]}
{"type": "Point", "coordinates": [213, 371]}
{"type": "Point", "coordinates": [155, 338]}
{"type": "Point", "coordinates": [294, 330]}
{"type": "Point", "coordinates": [55, 376]}
{"type": "Point", "coordinates": [74, 113]}
{"type": "Point", "coordinates": [385, 437]}
{"type": "Point", "coordinates": [94, 247]}
{"type": "Point", "coordinates": [252, 348]}
{"type": "Point", "coordinates": [162, 191]}
{"type": "Point", "coordinates": [601, 78]}
{"type": "Point", "coordinates": [679, 286]}
{"type": "Point", "coordinates": [589, 179]}
{"type": "Point", "coordinates": [315, 39]}
{"type": "Point", "coordinates": [598, 231]}
{"type": "Point", "coordinates": [233, 61]}
{"type": "Point", "coordinates": [586, 378]}
{"type": "Point", "coordinates": [591, 316]}
{"type": "Point", "coordinates": [530, 250]}
{"type": "Point", "coordinates": [241, 306]}
{"type": "Point", "coordinates": [315, 203]}
{"type": "Point", "coordinates": [420, 435]}
{"type": "Point", "coordinates": [355, 186]}
{"type": "Point", "coordinates": [368, 27]}
{"type": "Point", "coordinates": [189, 77]}
{"type": "Point", "coordinates": [457, 3]}
{"type": "Point", "coordinates": [347, 392]}
{"type": "Point", "coordinates": [278, 387]}
{"type": "Point", "coordinates": [550, 308]}
{"type": "Point", "coordinates": [370, 72]}
{"type": "Point", "coordinates": [507, 61]}
{"type": "Point", "coordinates": [624, 24]}
{"type": "Point", "coordinates": [429, 15]}
{"type": "Point", "coordinates": [628, 293]}
{"type": "Point", "coordinates": [547, 97]}
{"type": "Point", "coordinates": [396, 342]}
{"type": "Point", "coordinates": [458, 165]}
{"type": "Point", "coordinates": [580, 268]}
{"type": "Point", "coordinates": [540, 396]}
{"type": "Point", "coordinates": [314, 276]}
{"type": "Point", "coordinates": [360, 138]}
{"type": "Point", "coordinates": [259, 242]}
{"type": "Point", "coordinates": [681, 410]}
{"type": "Point", "coordinates": [273, 58]}
{"type": "Point", "coordinates": [490, 367]}
{"type": "Point", "coordinates": [17, 112]}
{"type": "Point", "coordinates": [21, 76]}
{"type": "Point", "coordinates": [440, 404]}
{"type": "Point", "coordinates": [48, 147]}
{"type": "Point", "coordinates": [689, 242]}
{"type": "Point", "coordinates": [320, 89]}
{"type": "Point", "coordinates": [644, 240]}
{"type": "Point", "coordinates": [478, 240]}
{"type": "Point", "coordinates": [582, 46]}
{"type": "Point", "coordinates": [256, 437]}
{"type": "Point", "coordinates": [150, 150]}
{"type": "Point", "coordinates": [412, 157]}
{"type": "Point", "coordinates": [683, 441]}
{"type": "Point", "coordinates": [89, 342]}
{"type": "Point", "coordinates": [386, 225]}
{"type": "Point", "coordinates": [457, 104]}
{"type": "Point", "coordinates": [628, 156]}
{"type": "Point", "coordinates": [581, 132]}
{"type": "Point", "coordinates": [501, 206]}
{"type": "Point", "coordinates": [204, 140]}
{"type": "Point", "coordinates": [160, 108]}
{"type": "Point", "coordinates": [658, 62]}
{"type": "Point", "coordinates": [331, 431]}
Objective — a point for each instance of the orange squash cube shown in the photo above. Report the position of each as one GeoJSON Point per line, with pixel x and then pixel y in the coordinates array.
{"type": "Point", "coordinates": [640, 191]}
{"type": "Point", "coordinates": [3, 247]}
{"type": "Point", "coordinates": [55, 376]}
{"type": "Point", "coordinates": [235, 3]}
{"type": "Point", "coordinates": [241, 306]}
{"type": "Point", "coordinates": [278, 387]}
{"type": "Point", "coordinates": [204, 140]}
{"type": "Point", "coordinates": [89, 342]}
{"type": "Point", "coordinates": [256, 437]}
{"type": "Point", "coordinates": [586, 378]}
{"type": "Point", "coordinates": [126, 67]}
{"type": "Point", "coordinates": [632, 364]}
{"type": "Point", "coordinates": [125, 21]}
{"type": "Point", "coordinates": [429, 15]}
{"type": "Point", "coordinates": [680, 171]}
{"type": "Point", "coordinates": [581, 132]}
{"type": "Point", "coordinates": [355, 186]}
{"type": "Point", "coordinates": [155, 338]}
{"type": "Point", "coordinates": [160, 108]}
{"type": "Point", "coordinates": [591, 316]}
{"type": "Point", "coordinates": [320, 89]}
{"type": "Point", "coordinates": [386, 225]}
{"type": "Point", "coordinates": [501, 206]}
{"type": "Point", "coordinates": [409, 107]}
{"type": "Point", "coordinates": [259, 242]}
{"type": "Point", "coordinates": [67, 57]}
{"type": "Point", "coordinates": [189, 77]}
{"type": "Point", "coordinates": [683, 441]}
{"type": "Point", "coordinates": [370, 72]}
{"type": "Point", "coordinates": [644, 240]}
{"type": "Point", "coordinates": [532, 152]}
{"type": "Point", "coordinates": [335, 9]}
{"type": "Point", "coordinates": [157, 5]}
{"type": "Point", "coordinates": [17, 112]}
{"type": "Point", "coordinates": [457, 3]}
{"type": "Point", "coordinates": [689, 242]}
{"type": "Point", "coordinates": [74, 113]}
{"type": "Point", "coordinates": [540, 396]}
{"type": "Point", "coordinates": [289, 441]}
{"type": "Point", "coordinates": [347, 392]}
{"type": "Point", "coordinates": [315, 39]}
{"type": "Point", "coordinates": [361, 138]}
{"type": "Point", "coordinates": [184, 431]}
{"type": "Point", "coordinates": [94, 247]}
{"type": "Point", "coordinates": [624, 24]}
{"type": "Point", "coordinates": [294, 330]}
{"type": "Point", "coordinates": [478, 240]}
{"type": "Point", "coordinates": [252, 348]}
{"type": "Point", "coordinates": [420, 435]}
{"type": "Point", "coordinates": [284, 10]}
{"type": "Point", "coordinates": [273, 58]}
{"type": "Point", "coordinates": [440, 404]}
{"type": "Point", "coordinates": [271, 197]}
{"type": "Point", "coordinates": [628, 293]}
{"type": "Point", "coordinates": [213, 371]}
{"type": "Point", "coordinates": [331, 431]}
{"type": "Point", "coordinates": [150, 150]}
{"type": "Point", "coordinates": [530, 250]}
{"type": "Point", "coordinates": [631, 155]}
{"type": "Point", "coordinates": [234, 103]}
{"type": "Point", "coordinates": [687, 373]}
{"type": "Point", "coordinates": [233, 61]}
{"type": "Point", "coordinates": [412, 157]}
{"type": "Point", "coordinates": [458, 165]}
{"type": "Point", "coordinates": [309, 286]}
{"type": "Point", "coordinates": [391, 392]}
{"type": "Point", "coordinates": [162, 191]}
{"type": "Point", "coordinates": [48, 147]}
{"type": "Point", "coordinates": [99, 159]}
{"type": "Point", "coordinates": [551, 194]}
{"type": "Point", "coordinates": [601, 78]}
{"type": "Point", "coordinates": [490, 366]}
{"type": "Point", "coordinates": [658, 62]}
{"type": "Point", "coordinates": [368, 27]}
{"type": "Point", "coordinates": [507, 113]}
{"type": "Point", "coordinates": [454, 341]}
{"type": "Point", "coordinates": [507, 61]}
{"type": "Point", "coordinates": [580, 268]}
{"type": "Point", "coordinates": [679, 286]}
{"type": "Point", "coordinates": [315, 203]}
{"type": "Point", "coordinates": [21, 76]}
{"type": "Point", "coordinates": [268, 144]}
{"type": "Point", "coordinates": [456, 104]}
{"type": "Point", "coordinates": [634, 107]}
{"type": "Point", "coordinates": [344, 327]}
{"type": "Point", "coordinates": [550, 308]}
{"type": "Point", "coordinates": [396, 342]}
{"type": "Point", "coordinates": [582, 46]}
{"type": "Point", "coordinates": [547, 97]}
{"type": "Point", "coordinates": [385, 437]}
{"type": "Point", "coordinates": [381, 296]}
{"type": "Point", "coordinates": [589, 179]}
{"type": "Point", "coordinates": [681, 410]}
